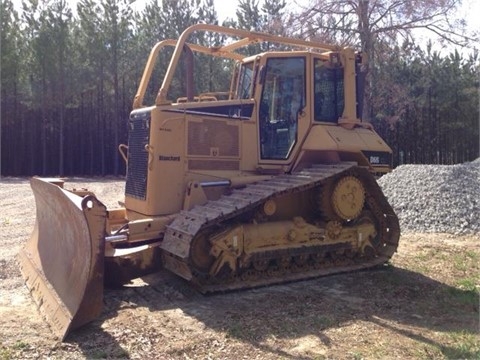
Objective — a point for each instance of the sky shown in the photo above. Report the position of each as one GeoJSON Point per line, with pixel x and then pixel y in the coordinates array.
{"type": "Point", "coordinates": [469, 11]}
{"type": "Point", "coordinates": [225, 8]}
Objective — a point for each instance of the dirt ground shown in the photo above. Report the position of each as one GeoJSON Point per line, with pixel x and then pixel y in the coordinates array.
{"type": "Point", "coordinates": [423, 305]}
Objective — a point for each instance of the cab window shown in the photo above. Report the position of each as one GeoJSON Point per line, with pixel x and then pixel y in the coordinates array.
{"type": "Point", "coordinates": [329, 97]}
{"type": "Point", "coordinates": [245, 81]}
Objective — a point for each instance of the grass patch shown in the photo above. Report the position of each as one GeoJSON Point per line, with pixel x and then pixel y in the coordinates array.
{"type": "Point", "coordinates": [466, 346]}
{"type": "Point", "coordinates": [464, 297]}
{"type": "Point", "coordinates": [357, 355]}
{"type": "Point", "coordinates": [235, 331]}
{"type": "Point", "coordinates": [468, 284]}
{"type": "Point", "coordinates": [20, 345]}
{"type": "Point", "coordinates": [428, 254]}
{"type": "Point", "coordinates": [460, 262]}
{"type": "Point", "coordinates": [324, 322]}
{"type": "Point", "coordinates": [122, 354]}
{"type": "Point", "coordinates": [99, 354]}
{"type": "Point", "coordinates": [466, 260]}
{"type": "Point", "coordinates": [419, 267]}
{"type": "Point", "coordinates": [238, 330]}
{"type": "Point", "coordinates": [5, 353]}
{"type": "Point", "coordinates": [423, 260]}
{"type": "Point", "coordinates": [473, 255]}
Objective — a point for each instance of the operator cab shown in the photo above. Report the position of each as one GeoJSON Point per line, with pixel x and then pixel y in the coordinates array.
{"type": "Point", "coordinates": [279, 82]}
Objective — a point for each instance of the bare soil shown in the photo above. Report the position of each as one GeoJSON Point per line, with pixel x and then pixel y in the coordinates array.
{"type": "Point", "coordinates": [424, 304]}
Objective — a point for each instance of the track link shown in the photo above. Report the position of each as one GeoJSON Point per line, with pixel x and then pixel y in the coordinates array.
{"type": "Point", "coordinates": [181, 233]}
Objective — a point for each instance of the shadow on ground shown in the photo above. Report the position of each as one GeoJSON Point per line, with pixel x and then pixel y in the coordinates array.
{"type": "Point", "coordinates": [389, 297]}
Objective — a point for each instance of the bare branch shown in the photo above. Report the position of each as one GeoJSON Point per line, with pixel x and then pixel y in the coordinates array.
{"type": "Point", "coordinates": [386, 12]}
{"type": "Point", "coordinates": [441, 32]}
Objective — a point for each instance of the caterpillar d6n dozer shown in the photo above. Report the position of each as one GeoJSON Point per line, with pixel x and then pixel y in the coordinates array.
{"type": "Point", "coordinates": [271, 180]}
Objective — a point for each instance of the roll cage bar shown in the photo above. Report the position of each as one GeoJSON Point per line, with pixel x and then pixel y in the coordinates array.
{"type": "Point", "coordinates": [226, 51]}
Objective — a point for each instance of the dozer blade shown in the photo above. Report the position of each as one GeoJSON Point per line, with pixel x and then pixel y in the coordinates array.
{"type": "Point", "coordinates": [63, 262]}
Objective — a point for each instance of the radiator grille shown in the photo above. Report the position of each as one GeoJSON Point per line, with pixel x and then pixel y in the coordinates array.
{"type": "Point", "coordinates": [138, 137]}
{"type": "Point", "coordinates": [213, 138]}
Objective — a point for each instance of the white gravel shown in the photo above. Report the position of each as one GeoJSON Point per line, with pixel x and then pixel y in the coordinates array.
{"type": "Point", "coordinates": [435, 198]}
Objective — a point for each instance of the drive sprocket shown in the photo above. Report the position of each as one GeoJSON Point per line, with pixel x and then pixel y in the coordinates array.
{"type": "Point", "coordinates": [348, 197]}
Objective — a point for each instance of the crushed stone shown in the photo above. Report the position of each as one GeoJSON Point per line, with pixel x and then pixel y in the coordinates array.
{"type": "Point", "coordinates": [435, 198]}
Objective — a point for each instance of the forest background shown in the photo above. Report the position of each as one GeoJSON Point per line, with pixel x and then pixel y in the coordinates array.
{"type": "Point", "coordinates": [69, 75]}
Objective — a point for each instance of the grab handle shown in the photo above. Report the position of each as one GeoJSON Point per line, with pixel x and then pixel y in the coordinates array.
{"type": "Point", "coordinates": [123, 149]}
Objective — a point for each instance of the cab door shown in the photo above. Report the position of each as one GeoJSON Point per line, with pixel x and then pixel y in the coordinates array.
{"type": "Point", "coordinates": [281, 103]}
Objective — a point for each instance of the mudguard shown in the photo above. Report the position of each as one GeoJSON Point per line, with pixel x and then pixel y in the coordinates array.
{"type": "Point", "coordinates": [63, 262]}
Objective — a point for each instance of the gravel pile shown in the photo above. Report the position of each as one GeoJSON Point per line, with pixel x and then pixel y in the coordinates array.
{"type": "Point", "coordinates": [435, 198]}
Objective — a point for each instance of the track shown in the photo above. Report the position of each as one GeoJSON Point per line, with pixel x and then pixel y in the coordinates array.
{"type": "Point", "coordinates": [240, 207]}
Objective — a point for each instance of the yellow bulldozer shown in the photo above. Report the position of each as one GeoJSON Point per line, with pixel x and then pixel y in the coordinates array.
{"type": "Point", "coordinates": [272, 179]}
